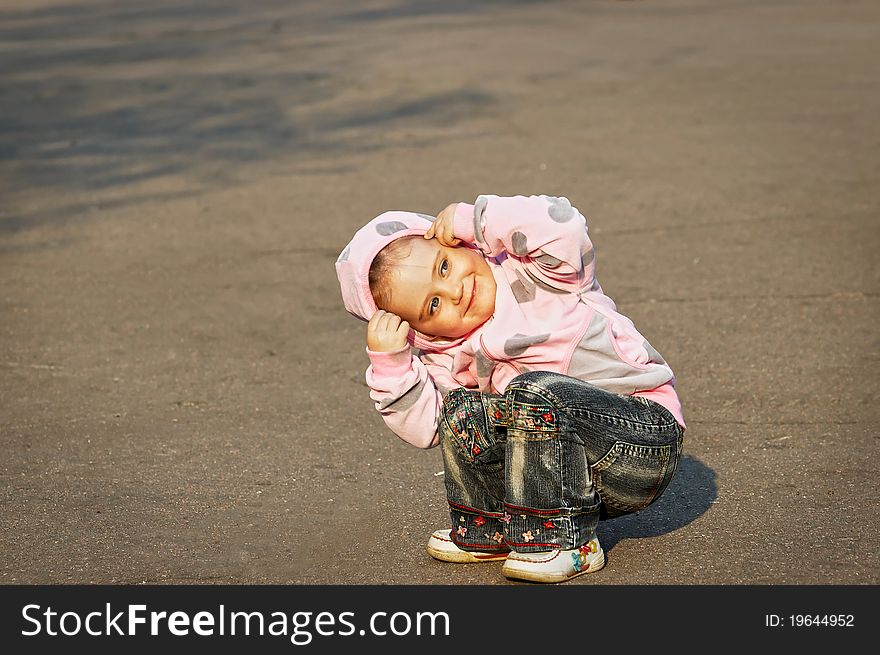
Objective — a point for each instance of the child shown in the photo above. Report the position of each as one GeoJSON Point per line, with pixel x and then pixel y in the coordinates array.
{"type": "Point", "coordinates": [490, 336]}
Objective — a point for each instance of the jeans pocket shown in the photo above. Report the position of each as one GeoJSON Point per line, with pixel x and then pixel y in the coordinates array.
{"type": "Point", "coordinates": [630, 476]}
{"type": "Point", "coordinates": [466, 426]}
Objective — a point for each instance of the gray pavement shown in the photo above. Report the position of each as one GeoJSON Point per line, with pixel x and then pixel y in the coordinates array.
{"type": "Point", "coordinates": [182, 392]}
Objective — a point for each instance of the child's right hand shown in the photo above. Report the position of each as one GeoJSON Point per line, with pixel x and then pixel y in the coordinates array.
{"type": "Point", "coordinates": [441, 228]}
{"type": "Point", "coordinates": [386, 332]}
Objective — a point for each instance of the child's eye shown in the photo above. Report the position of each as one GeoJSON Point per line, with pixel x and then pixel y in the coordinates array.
{"type": "Point", "coordinates": [435, 303]}
{"type": "Point", "coordinates": [444, 266]}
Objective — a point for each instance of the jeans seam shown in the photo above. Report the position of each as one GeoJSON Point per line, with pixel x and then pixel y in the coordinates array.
{"type": "Point", "coordinates": [612, 419]}
{"type": "Point", "coordinates": [549, 513]}
{"type": "Point", "coordinates": [621, 447]}
{"type": "Point", "coordinates": [474, 510]}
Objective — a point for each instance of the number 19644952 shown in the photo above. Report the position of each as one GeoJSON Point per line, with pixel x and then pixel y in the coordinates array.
{"type": "Point", "coordinates": [809, 621]}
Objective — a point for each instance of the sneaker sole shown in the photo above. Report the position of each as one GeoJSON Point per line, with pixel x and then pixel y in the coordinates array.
{"type": "Point", "coordinates": [464, 556]}
{"type": "Point", "coordinates": [510, 571]}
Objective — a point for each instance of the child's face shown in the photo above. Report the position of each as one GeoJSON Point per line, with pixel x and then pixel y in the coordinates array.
{"type": "Point", "coordinates": [442, 291]}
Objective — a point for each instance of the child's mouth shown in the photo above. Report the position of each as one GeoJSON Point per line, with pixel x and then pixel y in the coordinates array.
{"type": "Point", "coordinates": [471, 299]}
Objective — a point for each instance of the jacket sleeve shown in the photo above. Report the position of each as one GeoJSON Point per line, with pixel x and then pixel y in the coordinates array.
{"type": "Point", "coordinates": [547, 234]}
{"type": "Point", "coordinates": [408, 394]}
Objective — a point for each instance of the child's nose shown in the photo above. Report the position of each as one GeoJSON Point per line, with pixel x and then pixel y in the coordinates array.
{"type": "Point", "coordinates": [455, 289]}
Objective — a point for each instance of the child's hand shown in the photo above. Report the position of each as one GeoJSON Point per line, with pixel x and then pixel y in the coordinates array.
{"type": "Point", "coordinates": [441, 228]}
{"type": "Point", "coordinates": [386, 332]}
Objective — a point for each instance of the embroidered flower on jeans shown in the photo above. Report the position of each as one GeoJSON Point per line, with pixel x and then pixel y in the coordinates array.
{"type": "Point", "coordinates": [479, 521]}
{"type": "Point", "coordinates": [549, 524]}
{"type": "Point", "coordinates": [462, 531]}
{"type": "Point", "coordinates": [528, 536]}
{"type": "Point", "coordinates": [497, 536]}
{"type": "Point", "coordinates": [506, 517]}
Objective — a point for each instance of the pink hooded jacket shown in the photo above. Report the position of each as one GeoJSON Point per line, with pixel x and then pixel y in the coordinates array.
{"type": "Point", "coordinates": [550, 314]}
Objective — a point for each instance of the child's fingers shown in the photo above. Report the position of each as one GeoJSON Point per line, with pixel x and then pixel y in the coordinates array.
{"type": "Point", "coordinates": [448, 233]}
{"type": "Point", "coordinates": [391, 322]}
{"type": "Point", "coordinates": [440, 232]}
{"type": "Point", "coordinates": [380, 322]}
{"type": "Point", "coordinates": [430, 233]}
{"type": "Point", "coordinates": [448, 238]}
{"type": "Point", "coordinates": [386, 331]}
{"type": "Point", "coordinates": [451, 240]}
{"type": "Point", "coordinates": [387, 323]}
{"type": "Point", "coordinates": [374, 319]}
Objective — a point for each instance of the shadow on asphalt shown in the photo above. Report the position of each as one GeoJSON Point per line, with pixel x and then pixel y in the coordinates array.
{"type": "Point", "coordinates": [99, 97]}
{"type": "Point", "coordinates": [689, 495]}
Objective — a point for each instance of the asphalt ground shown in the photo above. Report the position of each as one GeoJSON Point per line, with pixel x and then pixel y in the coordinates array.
{"type": "Point", "coordinates": [182, 392]}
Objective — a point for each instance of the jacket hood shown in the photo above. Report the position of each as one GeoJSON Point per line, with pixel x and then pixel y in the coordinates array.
{"type": "Point", "coordinates": [353, 264]}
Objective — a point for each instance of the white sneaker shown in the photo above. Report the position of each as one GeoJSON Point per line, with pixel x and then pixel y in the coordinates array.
{"type": "Point", "coordinates": [441, 546]}
{"type": "Point", "coordinates": [555, 565]}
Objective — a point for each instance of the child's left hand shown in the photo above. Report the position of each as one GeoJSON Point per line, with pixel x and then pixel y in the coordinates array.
{"type": "Point", "coordinates": [386, 332]}
{"type": "Point", "coordinates": [441, 228]}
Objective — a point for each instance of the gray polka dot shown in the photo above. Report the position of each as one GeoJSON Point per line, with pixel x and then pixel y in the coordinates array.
{"type": "Point", "coordinates": [344, 256]}
{"type": "Point", "coordinates": [520, 247]}
{"type": "Point", "coordinates": [543, 285]}
{"type": "Point", "coordinates": [653, 354]}
{"type": "Point", "coordinates": [427, 217]}
{"type": "Point", "coordinates": [561, 210]}
{"type": "Point", "coordinates": [389, 227]}
{"type": "Point", "coordinates": [405, 401]}
{"type": "Point", "coordinates": [548, 260]}
{"type": "Point", "coordinates": [523, 289]}
{"type": "Point", "coordinates": [519, 343]}
{"type": "Point", "coordinates": [588, 257]}
{"type": "Point", "coordinates": [485, 366]}
{"type": "Point", "coordinates": [479, 209]}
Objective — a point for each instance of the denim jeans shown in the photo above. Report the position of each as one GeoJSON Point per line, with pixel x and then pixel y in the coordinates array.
{"type": "Point", "coordinates": [536, 468]}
